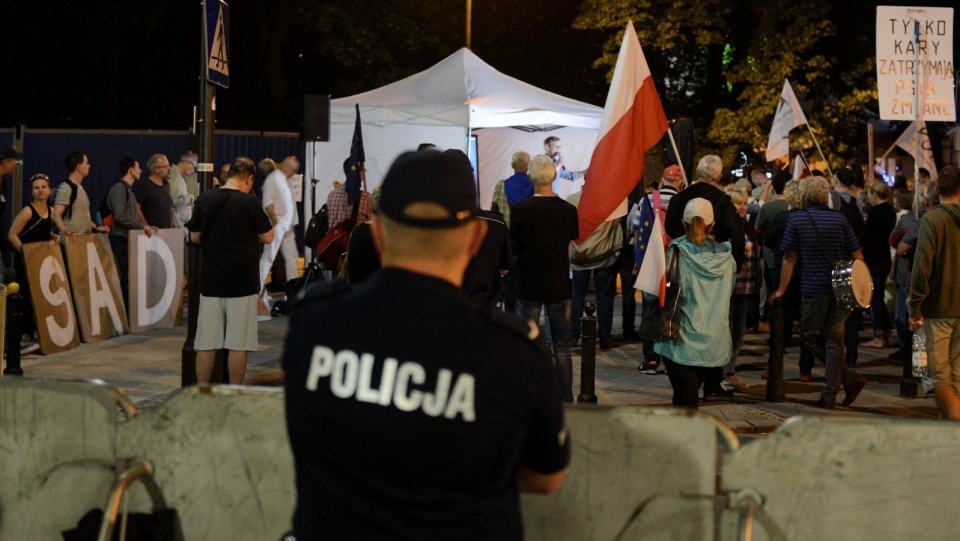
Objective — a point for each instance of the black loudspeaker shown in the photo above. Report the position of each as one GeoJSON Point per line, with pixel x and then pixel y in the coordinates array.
{"type": "Point", "coordinates": [316, 119]}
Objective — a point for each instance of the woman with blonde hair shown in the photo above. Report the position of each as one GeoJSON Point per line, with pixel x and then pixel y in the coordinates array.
{"type": "Point", "coordinates": [707, 269]}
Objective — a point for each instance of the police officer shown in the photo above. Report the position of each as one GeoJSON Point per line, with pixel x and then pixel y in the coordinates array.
{"type": "Point", "coordinates": [411, 413]}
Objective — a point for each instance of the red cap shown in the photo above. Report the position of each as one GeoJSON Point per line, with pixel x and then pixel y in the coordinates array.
{"type": "Point", "coordinates": [672, 173]}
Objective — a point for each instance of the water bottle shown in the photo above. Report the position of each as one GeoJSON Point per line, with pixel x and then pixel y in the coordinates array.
{"type": "Point", "coordinates": [919, 353]}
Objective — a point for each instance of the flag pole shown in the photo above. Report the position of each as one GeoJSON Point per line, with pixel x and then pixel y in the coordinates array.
{"type": "Point", "coordinates": [916, 114]}
{"type": "Point", "coordinates": [676, 153]}
{"type": "Point", "coordinates": [818, 150]}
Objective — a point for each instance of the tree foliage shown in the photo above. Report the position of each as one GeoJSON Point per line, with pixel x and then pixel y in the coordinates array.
{"type": "Point", "coordinates": [825, 49]}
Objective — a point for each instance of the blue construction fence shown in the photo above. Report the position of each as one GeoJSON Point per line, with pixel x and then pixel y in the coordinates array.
{"type": "Point", "coordinates": [45, 149]}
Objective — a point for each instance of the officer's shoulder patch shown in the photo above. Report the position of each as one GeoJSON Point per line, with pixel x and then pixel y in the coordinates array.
{"type": "Point", "coordinates": [317, 291]}
{"type": "Point", "coordinates": [516, 325]}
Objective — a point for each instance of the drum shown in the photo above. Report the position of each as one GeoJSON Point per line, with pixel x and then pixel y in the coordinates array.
{"type": "Point", "coordinates": [852, 285]}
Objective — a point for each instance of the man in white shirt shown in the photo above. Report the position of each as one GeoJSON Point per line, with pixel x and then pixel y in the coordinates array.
{"type": "Point", "coordinates": [279, 205]}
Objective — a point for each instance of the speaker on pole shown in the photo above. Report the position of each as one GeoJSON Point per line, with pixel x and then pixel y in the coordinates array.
{"type": "Point", "coordinates": [315, 125]}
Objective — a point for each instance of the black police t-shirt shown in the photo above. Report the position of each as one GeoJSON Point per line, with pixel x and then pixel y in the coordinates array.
{"type": "Point", "coordinates": [409, 412]}
{"type": "Point", "coordinates": [229, 223]}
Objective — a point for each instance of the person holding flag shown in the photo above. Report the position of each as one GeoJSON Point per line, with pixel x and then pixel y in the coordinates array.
{"type": "Point", "coordinates": [350, 200]}
{"type": "Point", "coordinates": [650, 276]}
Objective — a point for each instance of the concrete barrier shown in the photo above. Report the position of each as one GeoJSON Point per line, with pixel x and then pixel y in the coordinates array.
{"type": "Point", "coordinates": [221, 458]}
{"type": "Point", "coordinates": [635, 473]}
{"type": "Point", "coordinates": [57, 453]}
{"type": "Point", "coordinates": [850, 478]}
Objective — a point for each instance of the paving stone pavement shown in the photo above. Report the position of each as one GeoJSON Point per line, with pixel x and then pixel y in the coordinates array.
{"type": "Point", "coordinates": [148, 367]}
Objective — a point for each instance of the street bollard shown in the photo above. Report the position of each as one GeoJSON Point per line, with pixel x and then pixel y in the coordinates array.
{"type": "Point", "coordinates": [13, 331]}
{"type": "Point", "coordinates": [908, 383]}
{"type": "Point", "coordinates": [778, 339]}
{"type": "Point", "coordinates": [588, 355]}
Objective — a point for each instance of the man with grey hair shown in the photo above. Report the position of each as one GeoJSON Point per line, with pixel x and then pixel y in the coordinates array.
{"type": "Point", "coordinates": [182, 198]}
{"type": "Point", "coordinates": [154, 198]}
{"type": "Point", "coordinates": [816, 237]}
{"type": "Point", "coordinates": [728, 226]}
{"type": "Point", "coordinates": [542, 228]}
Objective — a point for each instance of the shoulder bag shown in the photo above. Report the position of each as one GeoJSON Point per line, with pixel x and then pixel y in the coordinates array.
{"type": "Point", "coordinates": [659, 323]}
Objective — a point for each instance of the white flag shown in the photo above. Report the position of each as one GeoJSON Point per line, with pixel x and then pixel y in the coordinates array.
{"type": "Point", "coordinates": [908, 142]}
{"type": "Point", "coordinates": [789, 116]}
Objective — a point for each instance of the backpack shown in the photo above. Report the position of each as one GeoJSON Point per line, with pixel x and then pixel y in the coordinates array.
{"type": "Point", "coordinates": [333, 245]}
{"type": "Point", "coordinates": [317, 228]}
{"type": "Point", "coordinates": [106, 213]}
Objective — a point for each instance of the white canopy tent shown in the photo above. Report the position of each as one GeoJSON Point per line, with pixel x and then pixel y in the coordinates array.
{"type": "Point", "coordinates": [443, 105]}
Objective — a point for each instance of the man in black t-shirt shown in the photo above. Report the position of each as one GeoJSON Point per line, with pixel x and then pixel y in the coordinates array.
{"type": "Point", "coordinates": [154, 200]}
{"type": "Point", "coordinates": [729, 225]}
{"type": "Point", "coordinates": [541, 228]}
{"type": "Point", "coordinates": [230, 225]}
{"type": "Point", "coordinates": [413, 414]}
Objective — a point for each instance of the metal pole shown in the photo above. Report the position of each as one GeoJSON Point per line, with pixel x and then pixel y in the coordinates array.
{"type": "Point", "coordinates": [870, 151]}
{"type": "Point", "coordinates": [676, 152]}
{"type": "Point", "coordinates": [205, 129]}
{"type": "Point", "coordinates": [13, 331]}
{"type": "Point", "coordinates": [916, 113]}
{"type": "Point", "coordinates": [778, 338]}
{"type": "Point", "coordinates": [469, 20]}
{"type": "Point", "coordinates": [588, 355]}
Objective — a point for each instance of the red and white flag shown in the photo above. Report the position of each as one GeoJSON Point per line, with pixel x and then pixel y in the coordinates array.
{"type": "Point", "coordinates": [633, 121]}
{"type": "Point", "coordinates": [800, 168]}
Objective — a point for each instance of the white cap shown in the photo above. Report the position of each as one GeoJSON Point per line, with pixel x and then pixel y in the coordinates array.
{"type": "Point", "coordinates": [698, 207]}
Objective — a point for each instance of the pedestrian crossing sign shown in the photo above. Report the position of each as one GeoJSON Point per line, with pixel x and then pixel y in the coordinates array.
{"type": "Point", "coordinates": [217, 33]}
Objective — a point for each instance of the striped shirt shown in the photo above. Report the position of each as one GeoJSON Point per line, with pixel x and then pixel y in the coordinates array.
{"type": "Point", "coordinates": [666, 193]}
{"type": "Point", "coordinates": [817, 259]}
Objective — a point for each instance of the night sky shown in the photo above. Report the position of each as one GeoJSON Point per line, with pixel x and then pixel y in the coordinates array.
{"type": "Point", "coordinates": [134, 64]}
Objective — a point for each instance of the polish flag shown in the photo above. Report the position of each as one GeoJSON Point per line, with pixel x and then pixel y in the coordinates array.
{"type": "Point", "coordinates": [633, 121]}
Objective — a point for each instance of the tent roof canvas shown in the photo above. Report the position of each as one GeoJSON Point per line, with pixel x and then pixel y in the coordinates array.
{"type": "Point", "coordinates": [463, 90]}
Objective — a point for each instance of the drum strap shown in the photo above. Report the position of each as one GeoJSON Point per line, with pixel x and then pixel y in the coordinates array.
{"type": "Point", "coordinates": [816, 230]}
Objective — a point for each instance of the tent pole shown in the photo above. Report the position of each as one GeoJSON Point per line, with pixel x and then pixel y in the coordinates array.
{"type": "Point", "coordinates": [469, 20]}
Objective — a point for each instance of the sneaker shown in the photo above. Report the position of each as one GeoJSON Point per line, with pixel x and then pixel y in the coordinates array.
{"type": "Point", "coordinates": [731, 383]}
{"type": "Point", "coordinates": [806, 378]}
{"type": "Point", "coordinates": [649, 367]}
{"type": "Point", "coordinates": [28, 347]}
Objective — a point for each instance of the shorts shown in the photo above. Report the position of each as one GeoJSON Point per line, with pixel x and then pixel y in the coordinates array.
{"type": "Point", "coordinates": [227, 322]}
{"type": "Point", "coordinates": [943, 351]}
